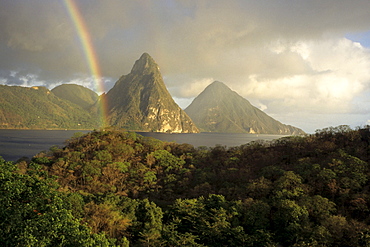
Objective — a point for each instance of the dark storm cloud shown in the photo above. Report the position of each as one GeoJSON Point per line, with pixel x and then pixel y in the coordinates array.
{"type": "Point", "coordinates": [39, 35]}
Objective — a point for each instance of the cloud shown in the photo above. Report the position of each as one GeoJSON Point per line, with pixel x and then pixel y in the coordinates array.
{"type": "Point", "coordinates": [15, 79]}
{"type": "Point", "coordinates": [336, 73]}
{"type": "Point", "coordinates": [191, 89]}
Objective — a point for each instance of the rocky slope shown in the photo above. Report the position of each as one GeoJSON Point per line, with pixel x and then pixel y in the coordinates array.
{"type": "Point", "coordinates": [140, 101]}
{"type": "Point", "coordinates": [219, 109]}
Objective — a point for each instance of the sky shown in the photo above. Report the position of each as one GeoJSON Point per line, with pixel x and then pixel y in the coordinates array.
{"type": "Point", "coordinates": [306, 63]}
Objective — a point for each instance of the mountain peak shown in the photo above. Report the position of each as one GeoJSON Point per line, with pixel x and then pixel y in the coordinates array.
{"type": "Point", "coordinates": [216, 91]}
{"type": "Point", "coordinates": [218, 86]}
{"type": "Point", "coordinates": [141, 101]}
{"type": "Point", "coordinates": [145, 65]}
{"type": "Point", "coordinates": [220, 109]}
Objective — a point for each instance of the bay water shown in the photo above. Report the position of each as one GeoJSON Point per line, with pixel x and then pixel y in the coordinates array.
{"type": "Point", "coordinates": [16, 144]}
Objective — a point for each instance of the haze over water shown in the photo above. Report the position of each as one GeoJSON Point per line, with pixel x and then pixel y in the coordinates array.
{"type": "Point", "coordinates": [15, 144]}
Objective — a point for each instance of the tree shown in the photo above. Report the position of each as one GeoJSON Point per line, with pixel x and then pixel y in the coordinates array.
{"type": "Point", "coordinates": [289, 221]}
{"type": "Point", "coordinates": [147, 222]}
{"type": "Point", "coordinates": [33, 213]}
{"type": "Point", "coordinates": [212, 220]}
{"type": "Point", "coordinates": [105, 218]}
{"type": "Point", "coordinates": [288, 186]}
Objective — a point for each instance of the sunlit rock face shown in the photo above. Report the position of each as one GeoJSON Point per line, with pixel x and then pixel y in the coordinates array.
{"type": "Point", "coordinates": [140, 101]}
{"type": "Point", "coordinates": [219, 109]}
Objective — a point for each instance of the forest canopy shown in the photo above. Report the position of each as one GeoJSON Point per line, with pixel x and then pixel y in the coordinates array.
{"type": "Point", "coordinates": [116, 188]}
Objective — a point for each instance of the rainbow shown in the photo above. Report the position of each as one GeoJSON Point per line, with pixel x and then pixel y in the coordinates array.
{"type": "Point", "coordinates": [89, 52]}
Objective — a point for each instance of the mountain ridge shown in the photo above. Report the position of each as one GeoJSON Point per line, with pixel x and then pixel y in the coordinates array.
{"type": "Point", "coordinates": [139, 101]}
{"type": "Point", "coordinates": [76, 94]}
{"type": "Point", "coordinates": [219, 109]}
{"type": "Point", "coordinates": [39, 108]}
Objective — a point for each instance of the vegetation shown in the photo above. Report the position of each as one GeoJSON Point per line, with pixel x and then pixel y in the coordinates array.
{"type": "Point", "coordinates": [76, 94]}
{"type": "Point", "coordinates": [39, 108]}
{"type": "Point", "coordinates": [114, 188]}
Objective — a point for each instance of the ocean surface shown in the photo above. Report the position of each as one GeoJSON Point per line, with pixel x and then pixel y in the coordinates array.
{"type": "Point", "coordinates": [16, 144]}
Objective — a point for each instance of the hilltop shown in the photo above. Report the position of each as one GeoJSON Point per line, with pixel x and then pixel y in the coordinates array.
{"type": "Point", "coordinates": [76, 94]}
{"type": "Point", "coordinates": [39, 108]}
{"type": "Point", "coordinates": [219, 109]}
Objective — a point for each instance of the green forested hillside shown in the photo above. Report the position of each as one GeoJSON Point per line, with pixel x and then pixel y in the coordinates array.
{"type": "Point", "coordinates": [76, 94]}
{"type": "Point", "coordinates": [38, 108]}
{"type": "Point", "coordinates": [129, 189]}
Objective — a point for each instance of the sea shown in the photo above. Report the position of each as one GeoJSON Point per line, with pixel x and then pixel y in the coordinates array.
{"type": "Point", "coordinates": [17, 144]}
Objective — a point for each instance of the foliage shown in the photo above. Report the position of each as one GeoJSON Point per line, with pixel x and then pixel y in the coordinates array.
{"type": "Point", "coordinates": [137, 191]}
{"type": "Point", "coordinates": [39, 108]}
{"type": "Point", "coordinates": [32, 213]}
{"type": "Point", "coordinates": [76, 94]}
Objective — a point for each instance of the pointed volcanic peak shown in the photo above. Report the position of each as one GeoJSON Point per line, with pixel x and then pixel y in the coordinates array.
{"type": "Point", "coordinates": [140, 101]}
{"type": "Point", "coordinates": [145, 65]}
{"type": "Point", "coordinates": [219, 109]}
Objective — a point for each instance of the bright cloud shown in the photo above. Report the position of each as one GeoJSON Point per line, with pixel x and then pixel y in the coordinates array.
{"type": "Point", "coordinates": [195, 87]}
{"type": "Point", "coordinates": [338, 72]}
